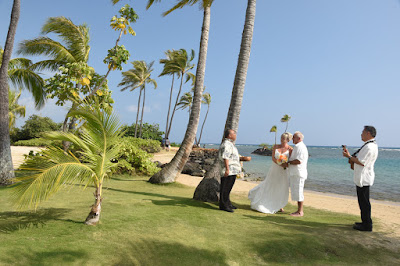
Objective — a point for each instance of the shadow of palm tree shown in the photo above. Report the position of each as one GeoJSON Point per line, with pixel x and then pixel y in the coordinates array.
{"type": "Point", "coordinates": [148, 252]}
{"type": "Point", "coordinates": [169, 200]}
{"type": "Point", "coordinates": [56, 257]}
{"type": "Point", "coordinates": [13, 221]}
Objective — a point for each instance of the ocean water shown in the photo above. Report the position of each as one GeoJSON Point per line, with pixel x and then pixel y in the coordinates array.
{"type": "Point", "coordinates": [328, 171]}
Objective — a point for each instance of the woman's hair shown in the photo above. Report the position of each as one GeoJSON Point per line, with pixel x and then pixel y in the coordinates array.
{"type": "Point", "coordinates": [287, 136]}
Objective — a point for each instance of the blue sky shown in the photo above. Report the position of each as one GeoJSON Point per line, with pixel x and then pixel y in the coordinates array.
{"type": "Point", "coordinates": [334, 66]}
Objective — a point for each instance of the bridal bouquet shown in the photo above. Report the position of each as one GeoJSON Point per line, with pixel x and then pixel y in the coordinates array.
{"type": "Point", "coordinates": [282, 159]}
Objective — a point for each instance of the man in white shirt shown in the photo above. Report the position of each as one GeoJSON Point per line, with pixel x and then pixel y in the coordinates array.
{"type": "Point", "coordinates": [230, 167]}
{"type": "Point", "coordinates": [364, 175]}
{"type": "Point", "coordinates": [297, 165]}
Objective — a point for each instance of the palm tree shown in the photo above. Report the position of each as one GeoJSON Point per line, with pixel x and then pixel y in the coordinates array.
{"type": "Point", "coordinates": [206, 100]}
{"type": "Point", "coordinates": [14, 108]}
{"type": "Point", "coordinates": [73, 48]}
{"type": "Point", "coordinates": [21, 74]}
{"type": "Point", "coordinates": [179, 63]}
{"type": "Point", "coordinates": [171, 170]}
{"type": "Point", "coordinates": [42, 176]}
{"type": "Point", "coordinates": [285, 119]}
{"type": "Point", "coordinates": [208, 188]}
{"type": "Point", "coordinates": [6, 165]}
{"type": "Point", "coordinates": [185, 102]}
{"type": "Point", "coordinates": [273, 129]}
{"type": "Point", "coordinates": [138, 77]}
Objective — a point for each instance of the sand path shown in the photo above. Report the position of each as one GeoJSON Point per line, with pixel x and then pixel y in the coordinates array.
{"type": "Point", "coordinates": [388, 213]}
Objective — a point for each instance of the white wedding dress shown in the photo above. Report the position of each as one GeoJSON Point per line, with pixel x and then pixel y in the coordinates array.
{"type": "Point", "coordinates": [273, 192]}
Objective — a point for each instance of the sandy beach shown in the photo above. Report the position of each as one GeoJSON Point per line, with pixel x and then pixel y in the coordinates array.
{"type": "Point", "coordinates": [386, 213]}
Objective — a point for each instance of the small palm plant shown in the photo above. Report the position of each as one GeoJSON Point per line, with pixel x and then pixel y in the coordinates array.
{"type": "Point", "coordinates": [273, 129]}
{"type": "Point", "coordinates": [99, 142]}
{"type": "Point", "coordinates": [285, 119]}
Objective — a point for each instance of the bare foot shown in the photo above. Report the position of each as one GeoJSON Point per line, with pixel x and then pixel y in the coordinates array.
{"type": "Point", "coordinates": [297, 214]}
{"type": "Point", "coordinates": [281, 210]}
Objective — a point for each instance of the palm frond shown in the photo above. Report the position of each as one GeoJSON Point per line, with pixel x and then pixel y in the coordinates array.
{"type": "Point", "coordinates": [31, 81]}
{"type": "Point", "coordinates": [75, 37]}
{"type": "Point", "coordinates": [53, 170]}
{"type": "Point", "coordinates": [47, 47]}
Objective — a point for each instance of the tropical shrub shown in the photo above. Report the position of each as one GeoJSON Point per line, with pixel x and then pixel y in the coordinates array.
{"type": "Point", "coordinates": [36, 142]}
{"type": "Point", "coordinates": [132, 158]}
{"type": "Point", "coordinates": [148, 131]}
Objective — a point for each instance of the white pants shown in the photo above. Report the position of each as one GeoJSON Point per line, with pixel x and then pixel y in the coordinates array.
{"type": "Point", "coordinates": [297, 187]}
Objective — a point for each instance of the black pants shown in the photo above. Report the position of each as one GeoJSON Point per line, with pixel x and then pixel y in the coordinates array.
{"type": "Point", "coordinates": [365, 205]}
{"type": "Point", "coordinates": [224, 191]}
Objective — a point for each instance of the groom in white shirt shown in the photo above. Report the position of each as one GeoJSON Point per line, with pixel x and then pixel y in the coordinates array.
{"type": "Point", "coordinates": [297, 165]}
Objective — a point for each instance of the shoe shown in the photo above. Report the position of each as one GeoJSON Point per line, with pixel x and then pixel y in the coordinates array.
{"type": "Point", "coordinates": [226, 209]}
{"type": "Point", "coordinates": [356, 223]}
{"type": "Point", "coordinates": [233, 207]}
{"type": "Point", "coordinates": [361, 227]}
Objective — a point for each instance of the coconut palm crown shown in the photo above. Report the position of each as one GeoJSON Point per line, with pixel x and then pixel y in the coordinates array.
{"type": "Point", "coordinates": [74, 45]}
{"type": "Point", "coordinates": [285, 119]}
{"type": "Point", "coordinates": [99, 142]}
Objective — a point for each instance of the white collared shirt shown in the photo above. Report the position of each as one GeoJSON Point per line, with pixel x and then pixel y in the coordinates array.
{"type": "Point", "coordinates": [228, 151]}
{"type": "Point", "coordinates": [300, 153]}
{"type": "Point", "coordinates": [365, 175]}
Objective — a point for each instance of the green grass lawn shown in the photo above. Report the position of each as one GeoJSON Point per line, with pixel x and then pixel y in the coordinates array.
{"type": "Point", "coordinates": [145, 224]}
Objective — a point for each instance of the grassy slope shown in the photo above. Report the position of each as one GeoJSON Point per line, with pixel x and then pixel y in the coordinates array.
{"type": "Point", "coordinates": [145, 224]}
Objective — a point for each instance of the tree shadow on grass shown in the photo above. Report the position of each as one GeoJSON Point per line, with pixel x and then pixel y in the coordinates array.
{"type": "Point", "coordinates": [168, 200]}
{"type": "Point", "coordinates": [54, 257]}
{"type": "Point", "coordinates": [308, 242]}
{"type": "Point", "coordinates": [155, 252]}
{"type": "Point", "coordinates": [13, 221]}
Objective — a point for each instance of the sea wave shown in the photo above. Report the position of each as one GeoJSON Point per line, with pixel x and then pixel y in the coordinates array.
{"type": "Point", "coordinates": [389, 149]}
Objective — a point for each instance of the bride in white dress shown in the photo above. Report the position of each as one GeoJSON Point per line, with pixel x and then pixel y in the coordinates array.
{"type": "Point", "coordinates": [272, 194]}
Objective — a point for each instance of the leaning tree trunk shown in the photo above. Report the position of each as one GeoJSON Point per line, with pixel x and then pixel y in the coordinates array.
{"type": "Point", "coordinates": [141, 118]}
{"type": "Point", "coordinates": [137, 112]}
{"type": "Point", "coordinates": [202, 126]}
{"type": "Point", "coordinates": [176, 104]}
{"type": "Point", "coordinates": [6, 165]}
{"type": "Point", "coordinates": [208, 189]}
{"type": "Point", "coordinates": [94, 215]}
{"type": "Point", "coordinates": [169, 107]}
{"type": "Point", "coordinates": [174, 168]}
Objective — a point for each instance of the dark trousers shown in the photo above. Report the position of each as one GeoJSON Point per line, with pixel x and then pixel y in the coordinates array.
{"type": "Point", "coordinates": [365, 205]}
{"type": "Point", "coordinates": [224, 191]}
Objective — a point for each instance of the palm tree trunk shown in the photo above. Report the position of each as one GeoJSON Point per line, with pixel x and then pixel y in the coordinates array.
{"type": "Point", "coordinates": [94, 215]}
{"type": "Point", "coordinates": [169, 107]}
{"type": "Point", "coordinates": [208, 190]}
{"type": "Point", "coordinates": [202, 126]}
{"type": "Point", "coordinates": [176, 103]}
{"type": "Point", "coordinates": [6, 165]}
{"type": "Point", "coordinates": [141, 118]}
{"type": "Point", "coordinates": [174, 168]}
{"type": "Point", "coordinates": [137, 112]}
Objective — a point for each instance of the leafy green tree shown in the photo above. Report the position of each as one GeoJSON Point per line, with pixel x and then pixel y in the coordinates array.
{"type": "Point", "coordinates": [273, 129]}
{"type": "Point", "coordinates": [148, 132]}
{"type": "Point", "coordinates": [6, 165]}
{"type": "Point", "coordinates": [100, 141]}
{"type": "Point", "coordinates": [177, 63]}
{"type": "Point", "coordinates": [206, 100]}
{"type": "Point", "coordinates": [138, 77]}
{"type": "Point", "coordinates": [171, 170]}
{"type": "Point", "coordinates": [208, 188]}
{"type": "Point", "coordinates": [286, 119]}
{"type": "Point", "coordinates": [14, 108]}
{"type": "Point", "coordinates": [35, 126]}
